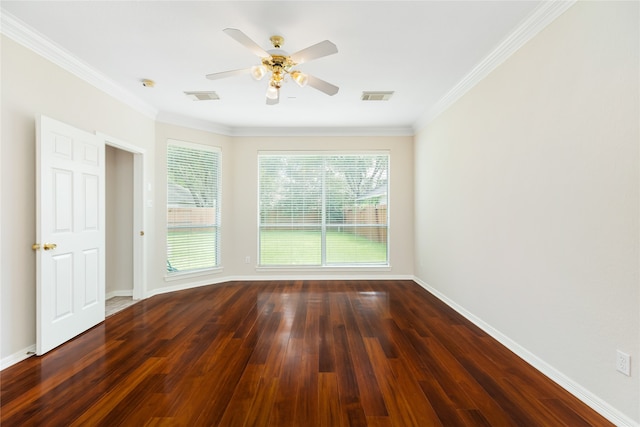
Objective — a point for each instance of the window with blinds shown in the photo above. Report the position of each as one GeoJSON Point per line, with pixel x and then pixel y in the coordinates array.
{"type": "Point", "coordinates": [323, 209]}
{"type": "Point", "coordinates": [193, 207]}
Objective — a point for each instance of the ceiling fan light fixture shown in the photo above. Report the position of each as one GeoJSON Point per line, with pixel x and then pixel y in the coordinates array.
{"type": "Point", "coordinates": [278, 64]}
{"type": "Point", "coordinates": [272, 92]}
{"type": "Point", "coordinates": [300, 78]}
{"type": "Point", "coordinates": [258, 71]}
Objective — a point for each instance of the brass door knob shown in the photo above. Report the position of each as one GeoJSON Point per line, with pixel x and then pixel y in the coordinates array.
{"type": "Point", "coordinates": [46, 246]}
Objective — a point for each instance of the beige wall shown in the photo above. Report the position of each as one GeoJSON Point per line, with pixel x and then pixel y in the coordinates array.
{"type": "Point", "coordinates": [157, 267]}
{"type": "Point", "coordinates": [239, 204]}
{"type": "Point", "coordinates": [245, 200]}
{"type": "Point", "coordinates": [32, 86]}
{"type": "Point", "coordinates": [527, 200]}
{"type": "Point", "coordinates": [119, 221]}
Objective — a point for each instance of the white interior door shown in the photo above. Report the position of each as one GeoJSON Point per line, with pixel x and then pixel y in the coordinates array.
{"type": "Point", "coordinates": [70, 231]}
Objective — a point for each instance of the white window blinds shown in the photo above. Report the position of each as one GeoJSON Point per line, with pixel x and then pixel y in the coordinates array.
{"type": "Point", "coordinates": [193, 207]}
{"type": "Point", "coordinates": [323, 210]}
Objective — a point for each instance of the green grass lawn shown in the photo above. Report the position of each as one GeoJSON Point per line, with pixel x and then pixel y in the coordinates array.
{"type": "Point", "coordinates": [299, 247]}
{"type": "Point", "coordinates": [179, 255]}
{"type": "Point", "coordinates": [278, 247]}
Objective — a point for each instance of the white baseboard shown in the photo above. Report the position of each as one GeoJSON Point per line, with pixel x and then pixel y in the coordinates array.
{"type": "Point", "coordinates": [211, 281]}
{"type": "Point", "coordinates": [17, 357]}
{"type": "Point", "coordinates": [591, 400]}
{"type": "Point", "coordinates": [121, 293]}
{"type": "Point", "coordinates": [184, 286]}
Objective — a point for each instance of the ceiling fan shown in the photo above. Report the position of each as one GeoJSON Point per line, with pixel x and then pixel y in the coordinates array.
{"type": "Point", "coordinates": [279, 64]}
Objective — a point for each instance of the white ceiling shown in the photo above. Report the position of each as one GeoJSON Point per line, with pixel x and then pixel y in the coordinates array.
{"type": "Point", "coordinates": [419, 49]}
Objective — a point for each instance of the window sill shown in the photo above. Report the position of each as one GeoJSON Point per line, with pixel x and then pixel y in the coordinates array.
{"type": "Point", "coordinates": [190, 274]}
{"type": "Point", "coordinates": [314, 268]}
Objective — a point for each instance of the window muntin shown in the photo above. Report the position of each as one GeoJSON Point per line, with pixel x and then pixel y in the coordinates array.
{"type": "Point", "coordinates": [193, 207]}
{"type": "Point", "coordinates": [323, 209]}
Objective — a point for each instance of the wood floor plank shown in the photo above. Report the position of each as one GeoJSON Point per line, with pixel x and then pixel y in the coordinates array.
{"type": "Point", "coordinates": [243, 396]}
{"type": "Point", "coordinates": [263, 403]}
{"type": "Point", "coordinates": [474, 418]}
{"type": "Point", "coordinates": [306, 404]}
{"type": "Point", "coordinates": [286, 353]}
{"type": "Point", "coordinates": [329, 408]}
{"type": "Point", "coordinates": [33, 384]}
{"type": "Point", "coordinates": [289, 380]}
{"type": "Point", "coordinates": [347, 381]}
{"type": "Point", "coordinates": [564, 413]}
{"type": "Point", "coordinates": [416, 403]}
{"type": "Point", "coordinates": [391, 389]}
{"type": "Point", "coordinates": [223, 381]}
{"type": "Point", "coordinates": [371, 398]}
{"type": "Point", "coordinates": [444, 371]}
{"type": "Point", "coordinates": [115, 397]}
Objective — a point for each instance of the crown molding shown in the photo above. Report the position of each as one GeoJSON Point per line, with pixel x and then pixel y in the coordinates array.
{"type": "Point", "coordinates": [324, 131]}
{"type": "Point", "coordinates": [21, 33]}
{"type": "Point", "coordinates": [193, 123]}
{"type": "Point", "coordinates": [204, 125]}
{"type": "Point", "coordinates": [535, 22]}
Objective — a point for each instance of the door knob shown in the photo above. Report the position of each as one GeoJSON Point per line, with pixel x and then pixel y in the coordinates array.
{"type": "Point", "coordinates": [46, 246]}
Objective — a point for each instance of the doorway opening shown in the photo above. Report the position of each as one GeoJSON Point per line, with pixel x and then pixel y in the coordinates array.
{"type": "Point", "coordinates": [124, 284]}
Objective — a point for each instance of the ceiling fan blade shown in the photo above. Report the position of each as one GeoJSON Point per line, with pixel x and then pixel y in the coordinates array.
{"type": "Point", "coordinates": [318, 50]}
{"type": "Point", "coordinates": [225, 74]}
{"type": "Point", "coordinates": [244, 40]}
{"type": "Point", "coordinates": [322, 86]}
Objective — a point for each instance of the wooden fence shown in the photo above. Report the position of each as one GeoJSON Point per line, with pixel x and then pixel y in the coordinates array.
{"type": "Point", "coordinates": [196, 217]}
{"type": "Point", "coordinates": [373, 220]}
{"type": "Point", "coordinates": [370, 215]}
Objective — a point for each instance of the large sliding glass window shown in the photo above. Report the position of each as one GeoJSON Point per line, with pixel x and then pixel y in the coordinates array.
{"type": "Point", "coordinates": [323, 209]}
{"type": "Point", "coordinates": [193, 207]}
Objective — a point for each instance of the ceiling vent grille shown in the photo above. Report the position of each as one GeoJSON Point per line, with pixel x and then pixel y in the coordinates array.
{"type": "Point", "coordinates": [202, 96]}
{"type": "Point", "coordinates": [376, 96]}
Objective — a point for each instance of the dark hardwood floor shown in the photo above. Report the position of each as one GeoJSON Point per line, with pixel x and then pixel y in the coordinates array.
{"type": "Point", "coordinates": [304, 353]}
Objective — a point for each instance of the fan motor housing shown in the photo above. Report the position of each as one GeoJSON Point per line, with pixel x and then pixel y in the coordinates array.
{"type": "Point", "coordinates": [278, 61]}
{"type": "Point", "coordinates": [277, 41]}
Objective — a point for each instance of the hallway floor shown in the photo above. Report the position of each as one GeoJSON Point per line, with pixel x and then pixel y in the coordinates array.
{"type": "Point", "coordinates": [115, 304]}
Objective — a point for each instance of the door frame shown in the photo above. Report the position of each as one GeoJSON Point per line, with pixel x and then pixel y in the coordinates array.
{"type": "Point", "coordinates": [139, 247]}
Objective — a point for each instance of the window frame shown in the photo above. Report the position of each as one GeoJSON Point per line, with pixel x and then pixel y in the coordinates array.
{"type": "Point", "coordinates": [217, 226]}
{"type": "Point", "coordinates": [325, 224]}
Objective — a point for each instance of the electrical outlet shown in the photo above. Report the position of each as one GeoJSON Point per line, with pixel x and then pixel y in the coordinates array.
{"type": "Point", "coordinates": [247, 260]}
{"type": "Point", "coordinates": [623, 363]}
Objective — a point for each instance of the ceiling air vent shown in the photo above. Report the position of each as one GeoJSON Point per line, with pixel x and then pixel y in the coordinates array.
{"type": "Point", "coordinates": [376, 96]}
{"type": "Point", "coordinates": [202, 96]}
